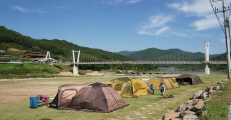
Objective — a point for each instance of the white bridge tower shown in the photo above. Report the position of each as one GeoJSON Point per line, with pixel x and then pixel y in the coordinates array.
{"type": "Point", "coordinates": [75, 66]}
{"type": "Point", "coordinates": [207, 69]}
{"type": "Point", "coordinates": [48, 55]}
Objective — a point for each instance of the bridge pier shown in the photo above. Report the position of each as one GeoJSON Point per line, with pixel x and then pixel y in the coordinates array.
{"type": "Point", "coordinates": [75, 70]}
{"type": "Point", "coordinates": [207, 69]}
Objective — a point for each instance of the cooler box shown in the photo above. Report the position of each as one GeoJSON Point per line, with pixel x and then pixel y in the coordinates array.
{"type": "Point", "coordinates": [33, 102]}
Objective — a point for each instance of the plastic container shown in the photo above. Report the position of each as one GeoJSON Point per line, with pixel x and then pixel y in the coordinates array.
{"type": "Point", "coordinates": [33, 102]}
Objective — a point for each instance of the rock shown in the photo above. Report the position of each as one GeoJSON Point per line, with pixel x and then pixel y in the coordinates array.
{"type": "Point", "coordinates": [184, 107]}
{"type": "Point", "coordinates": [225, 80]}
{"type": "Point", "coordinates": [213, 91]}
{"type": "Point", "coordinates": [207, 89]}
{"type": "Point", "coordinates": [172, 116]}
{"type": "Point", "coordinates": [198, 106]}
{"type": "Point", "coordinates": [190, 117]}
{"type": "Point", "coordinates": [187, 112]}
{"type": "Point", "coordinates": [197, 94]}
{"type": "Point", "coordinates": [192, 102]}
{"type": "Point", "coordinates": [205, 95]}
{"type": "Point", "coordinates": [217, 87]}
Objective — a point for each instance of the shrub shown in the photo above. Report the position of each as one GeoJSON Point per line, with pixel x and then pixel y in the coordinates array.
{"type": "Point", "coordinates": [82, 72]}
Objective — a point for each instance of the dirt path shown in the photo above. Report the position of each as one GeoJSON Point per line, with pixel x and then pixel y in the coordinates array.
{"type": "Point", "coordinates": [165, 104]}
{"type": "Point", "coordinates": [23, 90]}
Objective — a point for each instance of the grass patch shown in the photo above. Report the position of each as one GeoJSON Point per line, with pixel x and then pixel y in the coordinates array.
{"type": "Point", "coordinates": [64, 68]}
{"type": "Point", "coordinates": [218, 107]}
{"type": "Point", "coordinates": [27, 70]}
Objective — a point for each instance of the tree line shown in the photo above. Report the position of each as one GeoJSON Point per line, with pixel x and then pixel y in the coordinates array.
{"type": "Point", "coordinates": [61, 50]}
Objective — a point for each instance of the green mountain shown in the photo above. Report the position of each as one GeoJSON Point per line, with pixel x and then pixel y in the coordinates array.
{"type": "Point", "coordinates": [126, 53]}
{"type": "Point", "coordinates": [59, 49]}
{"type": "Point", "coordinates": [154, 54]}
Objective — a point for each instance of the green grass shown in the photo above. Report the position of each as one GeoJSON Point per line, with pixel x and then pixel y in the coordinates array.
{"type": "Point", "coordinates": [150, 106]}
{"type": "Point", "coordinates": [64, 67]}
{"type": "Point", "coordinates": [27, 70]}
{"type": "Point", "coordinates": [218, 107]}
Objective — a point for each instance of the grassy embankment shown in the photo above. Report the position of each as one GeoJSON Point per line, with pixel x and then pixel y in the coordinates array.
{"type": "Point", "coordinates": [27, 70]}
{"type": "Point", "coordinates": [218, 107]}
{"type": "Point", "coordinates": [38, 70]}
{"type": "Point", "coordinates": [147, 107]}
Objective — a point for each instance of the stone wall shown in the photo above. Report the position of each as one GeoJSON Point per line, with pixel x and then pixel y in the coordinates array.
{"type": "Point", "coordinates": [192, 109]}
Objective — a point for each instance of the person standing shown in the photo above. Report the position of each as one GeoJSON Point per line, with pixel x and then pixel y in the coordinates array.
{"type": "Point", "coordinates": [152, 88]}
{"type": "Point", "coordinates": [162, 88]}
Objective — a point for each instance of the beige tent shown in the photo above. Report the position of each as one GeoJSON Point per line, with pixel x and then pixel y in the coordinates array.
{"type": "Point", "coordinates": [95, 97]}
{"type": "Point", "coordinates": [130, 87]}
{"type": "Point", "coordinates": [169, 82]}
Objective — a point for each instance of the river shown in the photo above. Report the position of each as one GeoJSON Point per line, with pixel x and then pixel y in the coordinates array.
{"type": "Point", "coordinates": [189, 72]}
{"type": "Point", "coordinates": [176, 72]}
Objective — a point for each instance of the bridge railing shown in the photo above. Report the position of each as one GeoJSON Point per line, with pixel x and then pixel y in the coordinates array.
{"type": "Point", "coordinates": [145, 62]}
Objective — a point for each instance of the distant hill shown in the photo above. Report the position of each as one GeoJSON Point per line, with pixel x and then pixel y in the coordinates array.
{"type": "Point", "coordinates": [158, 54]}
{"type": "Point", "coordinates": [59, 49]}
{"type": "Point", "coordinates": [126, 53]}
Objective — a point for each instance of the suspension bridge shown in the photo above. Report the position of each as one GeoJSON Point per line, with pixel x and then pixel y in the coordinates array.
{"type": "Point", "coordinates": [176, 58]}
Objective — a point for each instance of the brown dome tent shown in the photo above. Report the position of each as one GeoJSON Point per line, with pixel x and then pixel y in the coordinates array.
{"type": "Point", "coordinates": [189, 79]}
{"type": "Point", "coordinates": [95, 97]}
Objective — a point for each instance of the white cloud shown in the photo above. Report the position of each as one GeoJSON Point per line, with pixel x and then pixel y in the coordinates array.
{"type": "Point", "coordinates": [111, 1]}
{"type": "Point", "coordinates": [119, 1]}
{"type": "Point", "coordinates": [179, 34]}
{"type": "Point", "coordinates": [21, 9]}
{"type": "Point", "coordinates": [161, 30]}
{"type": "Point", "coordinates": [155, 25]}
{"type": "Point", "coordinates": [133, 1]}
{"type": "Point", "coordinates": [200, 9]}
{"type": "Point", "coordinates": [196, 8]}
{"type": "Point", "coordinates": [206, 23]}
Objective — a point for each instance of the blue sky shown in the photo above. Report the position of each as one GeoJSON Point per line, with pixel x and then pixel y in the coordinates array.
{"type": "Point", "coordinates": [118, 25]}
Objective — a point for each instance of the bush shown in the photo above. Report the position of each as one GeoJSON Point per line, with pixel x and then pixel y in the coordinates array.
{"type": "Point", "coordinates": [82, 72]}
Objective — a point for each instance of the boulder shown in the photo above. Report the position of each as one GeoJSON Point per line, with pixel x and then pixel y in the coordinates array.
{"type": "Point", "coordinates": [205, 95]}
{"type": "Point", "coordinates": [197, 94]}
{"type": "Point", "coordinates": [198, 106]}
{"type": "Point", "coordinates": [187, 112]}
{"type": "Point", "coordinates": [225, 80]}
{"type": "Point", "coordinates": [184, 107]}
{"type": "Point", "coordinates": [172, 116]}
{"type": "Point", "coordinates": [207, 89]}
{"type": "Point", "coordinates": [190, 117]}
{"type": "Point", "coordinates": [212, 91]}
{"type": "Point", "coordinates": [192, 102]}
{"type": "Point", "coordinates": [216, 87]}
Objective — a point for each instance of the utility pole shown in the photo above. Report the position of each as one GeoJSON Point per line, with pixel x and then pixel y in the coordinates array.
{"type": "Point", "coordinates": [226, 32]}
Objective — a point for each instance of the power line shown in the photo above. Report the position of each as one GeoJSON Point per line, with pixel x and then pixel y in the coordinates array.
{"type": "Point", "coordinates": [217, 17]}
{"type": "Point", "coordinates": [226, 31]}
